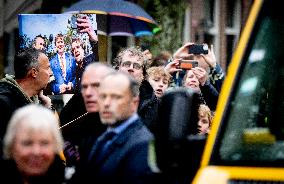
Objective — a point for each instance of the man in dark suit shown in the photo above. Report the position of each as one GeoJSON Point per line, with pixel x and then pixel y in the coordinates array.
{"type": "Point", "coordinates": [83, 132]}
{"type": "Point", "coordinates": [63, 66]}
{"type": "Point", "coordinates": [123, 157]}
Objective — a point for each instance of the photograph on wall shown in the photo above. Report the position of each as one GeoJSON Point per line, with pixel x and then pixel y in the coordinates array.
{"type": "Point", "coordinates": [69, 40]}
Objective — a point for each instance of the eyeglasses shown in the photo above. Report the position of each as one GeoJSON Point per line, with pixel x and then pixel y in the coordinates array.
{"type": "Point", "coordinates": [127, 64]}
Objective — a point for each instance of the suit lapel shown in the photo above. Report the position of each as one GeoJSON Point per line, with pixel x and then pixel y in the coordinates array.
{"type": "Point", "coordinates": [120, 141]}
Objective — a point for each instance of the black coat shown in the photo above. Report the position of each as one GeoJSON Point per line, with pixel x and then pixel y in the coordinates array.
{"type": "Point", "coordinates": [11, 98]}
{"type": "Point", "coordinates": [125, 162]}
{"type": "Point", "coordinates": [10, 174]}
{"type": "Point", "coordinates": [78, 133]}
{"type": "Point", "coordinates": [148, 105]}
{"type": "Point", "coordinates": [94, 57]}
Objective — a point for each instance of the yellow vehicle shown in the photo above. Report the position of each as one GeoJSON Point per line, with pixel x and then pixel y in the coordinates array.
{"type": "Point", "coordinates": [246, 143]}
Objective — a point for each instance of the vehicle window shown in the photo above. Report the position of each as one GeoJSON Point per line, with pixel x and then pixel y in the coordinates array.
{"type": "Point", "coordinates": [254, 131]}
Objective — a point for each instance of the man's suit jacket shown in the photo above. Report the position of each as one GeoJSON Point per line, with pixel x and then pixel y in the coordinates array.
{"type": "Point", "coordinates": [57, 72]}
{"type": "Point", "coordinates": [125, 160]}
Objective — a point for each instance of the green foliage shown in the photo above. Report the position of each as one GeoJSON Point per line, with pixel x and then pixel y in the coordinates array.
{"type": "Point", "coordinates": [170, 17]}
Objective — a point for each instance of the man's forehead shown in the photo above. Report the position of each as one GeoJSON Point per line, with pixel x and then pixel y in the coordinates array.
{"type": "Point", "coordinates": [39, 39]}
{"type": "Point", "coordinates": [115, 81]}
{"type": "Point", "coordinates": [75, 43]}
{"type": "Point", "coordinates": [59, 39]}
{"type": "Point", "coordinates": [129, 57]}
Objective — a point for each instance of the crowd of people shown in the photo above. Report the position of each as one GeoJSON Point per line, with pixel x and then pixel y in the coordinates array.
{"type": "Point", "coordinates": [105, 129]}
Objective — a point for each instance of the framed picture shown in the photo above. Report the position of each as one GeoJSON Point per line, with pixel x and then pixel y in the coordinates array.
{"type": "Point", "coordinates": [69, 40]}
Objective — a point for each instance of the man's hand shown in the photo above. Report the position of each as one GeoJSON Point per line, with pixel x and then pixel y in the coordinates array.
{"type": "Point", "coordinates": [46, 101]}
{"type": "Point", "coordinates": [84, 26]}
{"type": "Point", "coordinates": [63, 88]}
{"type": "Point", "coordinates": [69, 86]}
{"type": "Point", "coordinates": [172, 66]}
{"type": "Point", "coordinates": [210, 58]}
{"type": "Point", "coordinates": [201, 75]}
{"type": "Point", "coordinates": [182, 52]}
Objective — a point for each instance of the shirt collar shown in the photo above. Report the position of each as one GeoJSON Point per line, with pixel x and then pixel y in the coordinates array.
{"type": "Point", "coordinates": [124, 125]}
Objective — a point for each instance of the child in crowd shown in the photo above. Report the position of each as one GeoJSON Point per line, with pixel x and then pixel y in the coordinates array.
{"type": "Point", "coordinates": [205, 117]}
{"type": "Point", "coordinates": [159, 80]}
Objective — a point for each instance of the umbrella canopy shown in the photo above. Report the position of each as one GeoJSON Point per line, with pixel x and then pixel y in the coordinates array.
{"type": "Point", "coordinates": [117, 17]}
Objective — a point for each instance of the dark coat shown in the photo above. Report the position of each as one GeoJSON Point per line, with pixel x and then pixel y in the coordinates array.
{"type": "Point", "coordinates": [210, 95]}
{"type": "Point", "coordinates": [125, 161]}
{"type": "Point", "coordinates": [94, 57]}
{"type": "Point", "coordinates": [11, 98]}
{"type": "Point", "coordinates": [10, 174]}
{"type": "Point", "coordinates": [148, 105]}
{"type": "Point", "coordinates": [78, 133]}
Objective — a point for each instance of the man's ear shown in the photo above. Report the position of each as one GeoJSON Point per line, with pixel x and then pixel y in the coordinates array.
{"type": "Point", "coordinates": [33, 72]}
{"type": "Point", "coordinates": [136, 102]}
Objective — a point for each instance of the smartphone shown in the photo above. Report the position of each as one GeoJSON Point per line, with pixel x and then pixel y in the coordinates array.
{"type": "Point", "coordinates": [187, 64]}
{"type": "Point", "coordinates": [198, 49]}
{"type": "Point", "coordinates": [73, 22]}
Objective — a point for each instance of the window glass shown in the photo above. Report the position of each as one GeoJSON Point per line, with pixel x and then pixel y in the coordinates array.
{"type": "Point", "coordinates": [254, 131]}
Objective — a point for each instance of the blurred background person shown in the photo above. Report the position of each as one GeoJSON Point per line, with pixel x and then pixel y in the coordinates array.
{"type": "Point", "coordinates": [161, 59]}
{"type": "Point", "coordinates": [32, 144]}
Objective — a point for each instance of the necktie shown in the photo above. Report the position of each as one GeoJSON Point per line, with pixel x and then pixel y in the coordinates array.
{"type": "Point", "coordinates": [62, 66]}
{"type": "Point", "coordinates": [101, 145]}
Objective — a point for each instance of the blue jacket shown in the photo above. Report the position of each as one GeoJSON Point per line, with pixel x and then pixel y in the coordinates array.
{"type": "Point", "coordinates": [57, 73]}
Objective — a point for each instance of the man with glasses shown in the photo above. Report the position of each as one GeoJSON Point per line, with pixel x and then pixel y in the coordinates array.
{"type": "Point", "coordinates": [132, 61]}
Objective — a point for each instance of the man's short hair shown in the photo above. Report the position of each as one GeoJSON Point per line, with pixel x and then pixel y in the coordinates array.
{"type": "Point", "coordinates": [25, 60]}
{"type": "Point", "coordinates": [38, 36]}
{"type": "Point", "coordinates": [77, 40]}
{"type": "Point", "coordinates": [59, 36]}
{"type": "Point", "coordinates": [132, 51]}
{"type": "Point", "coordinates": [133, 84]}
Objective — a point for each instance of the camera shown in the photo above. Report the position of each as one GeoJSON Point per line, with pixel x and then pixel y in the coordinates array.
{"type": "Point", "coordinates": [198, 49]}
{"type": "Point", "coordinates": [73, 22]}
{"type": "Point", "coordinates": [187, 64]}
